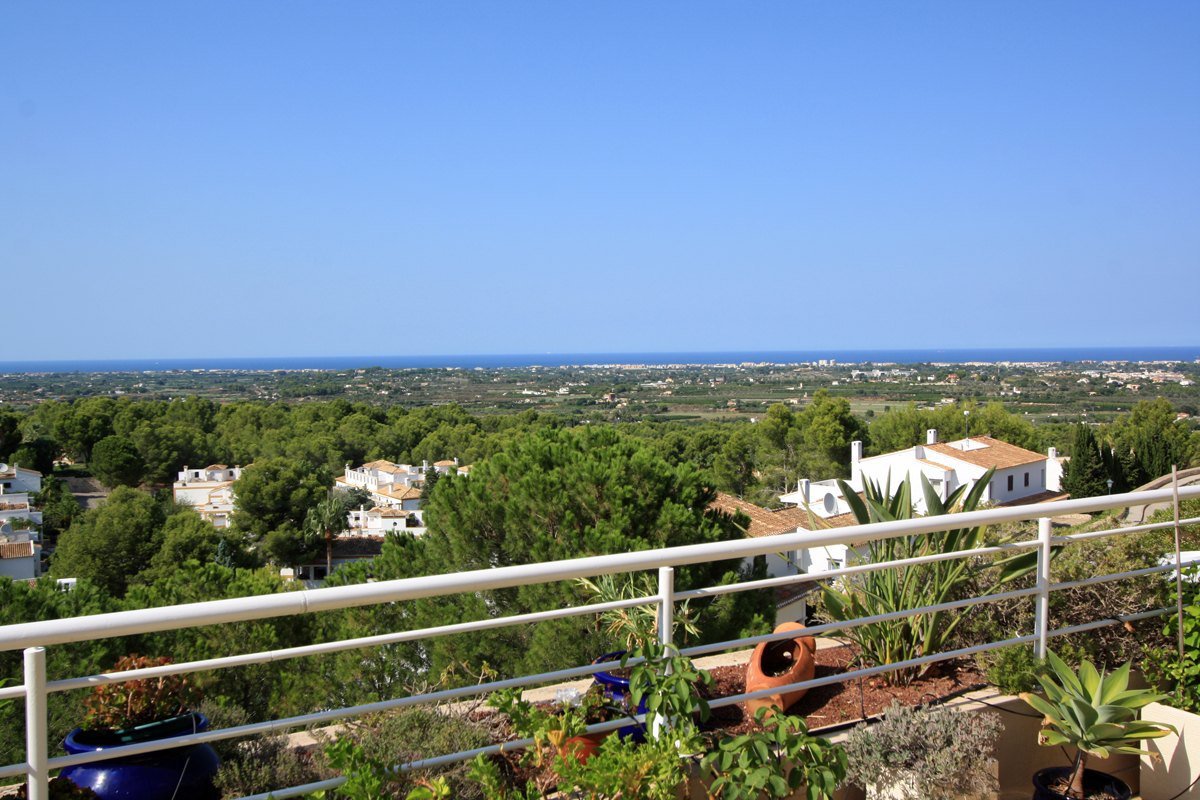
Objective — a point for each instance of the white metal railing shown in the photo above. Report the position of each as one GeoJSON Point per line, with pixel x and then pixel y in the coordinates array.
{"type": "Point", "coordinates": [34, 637]}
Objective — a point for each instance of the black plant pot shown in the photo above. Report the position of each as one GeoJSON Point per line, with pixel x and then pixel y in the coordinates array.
{"type": "Point", "coordinates": [1094, 782]}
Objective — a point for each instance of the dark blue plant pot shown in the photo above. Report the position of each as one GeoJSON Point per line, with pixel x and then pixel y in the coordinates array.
{"type": "Point", "coordinates": [616, 689]}
{"type": "Point", "coordinates": [182, 773]}
{"type": "Point", "coordinates": [1094, 783]}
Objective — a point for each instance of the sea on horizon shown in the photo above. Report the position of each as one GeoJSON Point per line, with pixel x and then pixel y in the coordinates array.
{"type": "Point", "coordinates": [909, 356]}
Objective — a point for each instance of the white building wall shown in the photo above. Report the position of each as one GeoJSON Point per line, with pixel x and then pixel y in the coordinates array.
{"type": "Point", "coordinates": [17, 479]}
{"type": "Point", "coordinates": [19, 569]}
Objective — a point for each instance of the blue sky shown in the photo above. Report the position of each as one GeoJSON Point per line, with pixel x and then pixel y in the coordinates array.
{"type": "Point", "coordinates": [389, 178]}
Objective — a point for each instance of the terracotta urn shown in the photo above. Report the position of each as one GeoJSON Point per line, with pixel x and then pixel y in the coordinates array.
{"type": "Point", "coordinates": [778, 664]}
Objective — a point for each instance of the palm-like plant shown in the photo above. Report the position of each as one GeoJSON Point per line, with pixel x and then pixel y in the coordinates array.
{"type": "Point", "coordinates": [917, 585]}
{"type": "Point", "coordinates": [326, 520]}
{"type": "Point", "coordinates": [1094, 712]}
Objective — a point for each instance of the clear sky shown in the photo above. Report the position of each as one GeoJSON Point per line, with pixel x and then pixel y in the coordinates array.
{"type": "Point", "coordinates": [388, 178]}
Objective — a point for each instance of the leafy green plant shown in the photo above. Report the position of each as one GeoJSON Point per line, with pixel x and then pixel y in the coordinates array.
{"type": "Point", "coordinates": [549, 729]}
{"type": "Point", "coordinates": [914, 586]}
{"type": "Point", "coordinates": [117, 706]}
{"type": "Point", "coordinates": [774, 761]}
{"type": "Point", "coordinates": [1180, 676]}
{"type": "Point", "coordinates": [932, 752]}
{"type": "Point", "coordinates": [1013, 669]}
{"type": "Point", "coordinates": [629, 626]}
{"type": "Point", "coordinates": [623, 769]}
{"type": "Point", "coordinates": [670, 685]}
{"type": "Point", "coordinates": [369, 778]}
{"type": "Point", "coordinates": [1094, 712]}
{"type": "Point", "coordinates": [486, 773]}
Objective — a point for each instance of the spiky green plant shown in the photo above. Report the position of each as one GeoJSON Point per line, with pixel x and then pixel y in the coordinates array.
{"type": "Point", "coordinates": [914, 586]}
{"type": "Point", "coordinates": [1094, 712]}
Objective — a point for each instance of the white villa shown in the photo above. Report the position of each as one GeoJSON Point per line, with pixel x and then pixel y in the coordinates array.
{"type": "Point", "coordinates": [20, 554]}
{"type": "Point", "coordinates": [17, 506]}
{"type": "Point", "coordinates": [388, 519]}
{"type": "Point", "coordinates": [395, 490]}
{"type": "Point", "coordinates": [1021, 476]}
{"type": "Point", "coordinates": [14, 479]}
{"type": "Point", "coordinates": [209, 491]}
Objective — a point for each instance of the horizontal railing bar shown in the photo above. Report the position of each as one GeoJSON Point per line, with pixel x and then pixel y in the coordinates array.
{"type": "Point", "coordinates": [275, 726]}
{"type": "Point", "coordinates": [444, 760]}
{"type": "Point", "coordinates": [874, 566]}
{"type": "Point", "coordinates": [285, 723]}
{"type": "Point", "coordinates": [868, 672]}
{"type": "Point", "coordinates": [1116, 576]}
{"type": "Point", "coordinates": [1104, 623]}
{"type": "Point", "coordinates": [297, 791]}
{"type": "Point", "coordinates": [240, 609]}
{"type": "Point", "coordinates": [1152, 526]}
{"type": "Point", "coordinates": [265, 656]}
{"type": "Point", "coordinates": [922, 660]}
{"type": "Point", "coordinates": [827, 627]}
{"type": "Point", "coordinates": [11, 692]}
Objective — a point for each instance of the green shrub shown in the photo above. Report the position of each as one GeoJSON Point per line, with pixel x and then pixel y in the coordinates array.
{"type": "Point", "coordinates": [1164, 667]}
{"type": "Point", "coordinates": [934, 752]}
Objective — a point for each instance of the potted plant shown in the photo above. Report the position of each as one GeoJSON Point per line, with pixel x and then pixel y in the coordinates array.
{"type": "Point", "coordinates": [139, 711]}
{"type": "Point", "coordinates": [775, 760]}
{"type": "Point", "coordinates": [631, 627]}
{"type": "Point", "coordinates": [61, 789]}
{"type": "Point", "coordinates": [1097, 714]}
{"type": "Point", "coordinates": [930, 752]}
{"type": "Point", "coordinates": [1169, 772]}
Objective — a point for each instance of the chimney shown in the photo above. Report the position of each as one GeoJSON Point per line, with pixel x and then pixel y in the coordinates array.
{"type": "Point", "coordinates": [425, 466]}
{"type": "Point", "coordinates": [1052, 452]}
{"type": "Point", "coordinates": [856, 451]}
{"type": "Point", "coordinates": [805, 487]}
{"type": "Point", "coordinates": [931, 436]}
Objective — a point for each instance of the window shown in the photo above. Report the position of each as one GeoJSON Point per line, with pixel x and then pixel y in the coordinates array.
{"type": "Point", "coordinates": [1010, 483]}
{"type": "Point", "coordinates": [1026, 478]}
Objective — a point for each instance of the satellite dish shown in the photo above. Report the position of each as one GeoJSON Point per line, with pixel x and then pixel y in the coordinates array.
{"type": "Point", "coordinates": [830, 503]}
{"type": "Point", "coordinates": [3, 467]}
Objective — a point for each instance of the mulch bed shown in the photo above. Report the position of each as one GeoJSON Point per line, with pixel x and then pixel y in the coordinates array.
{"type": "Point", "coordinates": [844, 703]}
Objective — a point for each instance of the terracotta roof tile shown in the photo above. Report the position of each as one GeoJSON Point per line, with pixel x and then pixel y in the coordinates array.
{"type": "Point", "coordinates": [763, 521]}
{"type": "Point", "coordinates": [996, 453]}
{"type": "Point", "coordinates": [16, 549]}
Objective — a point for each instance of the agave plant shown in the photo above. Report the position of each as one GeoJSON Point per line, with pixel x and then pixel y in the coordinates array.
{"type": "Point", "coordinates": [1094, 712]}
{"type": "Point", "coordinates": [914, 586]}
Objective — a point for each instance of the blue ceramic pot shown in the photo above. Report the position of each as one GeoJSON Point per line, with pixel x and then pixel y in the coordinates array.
{"type": "Point", "coordinates": [616, 689]}
{"type": "Point", "coordinates": [182, 773]}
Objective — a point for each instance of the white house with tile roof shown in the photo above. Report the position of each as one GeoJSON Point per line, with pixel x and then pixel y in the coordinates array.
{"type": "Point", "coordinates": [209, 491]}
{"type": "Point", "coordinates": [15, 479]}
{"type": "Point", "coordinates": [20, 554]}
{"type": "Point", "coordinates": [1021, 476]}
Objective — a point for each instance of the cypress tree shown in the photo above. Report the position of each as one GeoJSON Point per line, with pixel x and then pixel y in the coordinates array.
{"type": "Point", "coordinates": [1085, 475]}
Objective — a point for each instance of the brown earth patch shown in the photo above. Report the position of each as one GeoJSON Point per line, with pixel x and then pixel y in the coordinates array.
{"type": "Point", "coordinates": [844, 703]}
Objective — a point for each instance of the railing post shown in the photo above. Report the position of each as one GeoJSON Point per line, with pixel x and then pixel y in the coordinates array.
{"type": "Point", "coordinates": [1041, 614]}
{"type": "Point", "coordinates": [37, 754]}
{"type": "Point", "coordinates": [666, 606]}
{"type": "Point", "coordinates": [666, 627]}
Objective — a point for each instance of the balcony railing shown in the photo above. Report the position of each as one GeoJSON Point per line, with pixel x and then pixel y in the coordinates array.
{"type": "Point", "coordinates": [35, 637]}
